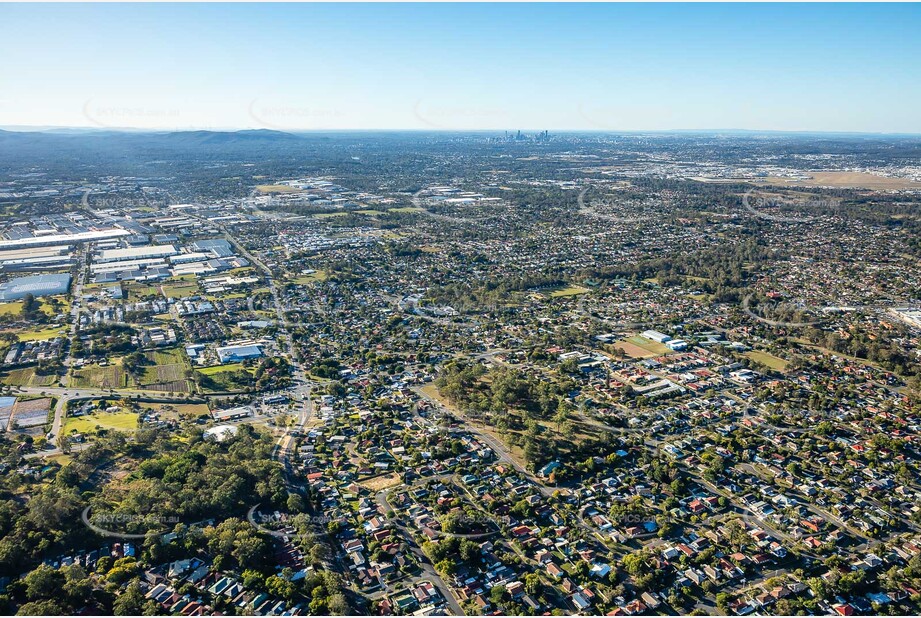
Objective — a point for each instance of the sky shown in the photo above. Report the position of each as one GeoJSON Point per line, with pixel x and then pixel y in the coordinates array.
{"type": "Point", "coordinates": [609, 67]}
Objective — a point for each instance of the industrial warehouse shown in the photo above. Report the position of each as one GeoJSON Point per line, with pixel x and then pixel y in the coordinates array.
{"type": "Point", "coordinates": [37, 285]}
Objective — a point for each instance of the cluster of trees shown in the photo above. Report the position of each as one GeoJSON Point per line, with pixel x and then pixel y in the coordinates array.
{"type": "Point", "coordinates": [328, 367]}
{"type": "Point", "coordinates": [876, 347]}
{"type": "Point", "coordinates": [448, 553]}
{"type": "Point", "coordinates": [464, 384]}
{"type": "Point", "coordinates": [723, 270]}
{"type": "Point", "coordinates": [187, 480]}
{"type": "Point", "coordinates": [201, 479]}
{"type": "Point", "coordinates": [32, 309]}
{"type": "Point", "coordinates": [105, 341]}
{"type": "Point", "coordinates": [492, 292]}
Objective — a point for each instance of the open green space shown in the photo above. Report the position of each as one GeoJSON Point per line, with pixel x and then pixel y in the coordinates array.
{"type": "Point", "coordinates": [139, 291]}
{"type": "Point", "coordinates": [649, 345]}
{"type": "Point", "coordinates": [182, 289]}
{"type": "Point", "coordinates": [41, 334]}
{"type": "Point", "coordinates": [223, 378]}
{"type": "Point", "coordinates": [320, 275]}
{"type": "Point", "coordinates": [767, 359]}
{"type": "Point", "coordinates": [26, 376]}
{"type": "Point", "coordinates": [167, 371]}
{"type": "Point", "coordinates": [111, 375]}
{"type": "Point", "coordinates": [563, 291]}
{"type": "Point", "coordinates": [90, 423]}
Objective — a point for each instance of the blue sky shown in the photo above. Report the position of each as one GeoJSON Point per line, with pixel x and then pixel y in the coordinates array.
{"type": "Point", "coordinates": [811, 67]}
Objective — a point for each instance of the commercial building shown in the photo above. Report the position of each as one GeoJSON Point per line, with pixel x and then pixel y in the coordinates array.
{"type": "Point", "coordinates": [61, 239]}
{"type": "Point", "coordinates": [218, 247]}
{"type": "Point", "coordinates": [655, 336]}
{"type": "Point", "coordinates": [231, 413]}
{"type": "Point", "coordinates": [38, 285]}
{"type": "Point", "coordinates": [236, 353]}
{"type": "Point", "coordinates": [136, 253]}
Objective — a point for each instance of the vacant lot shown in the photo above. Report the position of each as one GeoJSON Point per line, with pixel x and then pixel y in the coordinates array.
{"type": "Point", "coordinates": [167, 371]}
{"type": "Point", "coordinates": [26, 376]}
{"type": "Point", "coordinates": [96, 376]}
{"type": "Point", "coordinates": [768, 360]}
{"type": "Point", "coordinates": [177, 410]}
{"type": "Point", "coordinates": [382, 482]}
{"type": "Point", "coordinates": [224, 378]}
{"type": "Point", "coordinates": [653, 347]}
{"type": "Point", "coordinates": [632, 350]}
{"type": "Point", "coordinates": [320, 275]}
{"type": "Point", "coordinates": [181, 289]}
{"type": "Point", "coordinates": [40, 334]}
{"type": "Point", "coordinates": [139, 291]}
{"type": "Point", "coordinates": [91, 423]}
{"type": "Point", "coordinates": [843, 179]}
{"type": "Point", "coordinates": [276, 189]}
{"type": "Point", "coordinates": [61, 305]}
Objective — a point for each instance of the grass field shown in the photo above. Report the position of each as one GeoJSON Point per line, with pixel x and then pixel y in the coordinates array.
{"type": "Point", "coordinates": [167, 373]}
{"type": "Point", "coordinates": [369, 211]}
{"type": "Point", "coordinates": [572, 290]}
{"type": "Point", "coordinates": [220, 378]}
{"type": "Point", "coordinates": [95, 376]}
{"type": "Point", "coordinates": [406, 209]}
{"type": "Point", "coordinates": [210, 371]}
{"type": "Point", "coordinates": [649, 345]}
{"type": "Point", "coordinates": [26, 377]}
{"type": "Point", "coordinates": [327, 215]}
{"type": "Point", "coordinates": [842, 179]}
{"type": "Point", "coordinates": [42, 335]}
{"type": "Point", "coordinates": [11, 308]}
{"type": "Point", "coordinates": [632, 350]}
{"type": "Point", "coordinates": [118, 421]}
{"type": "Point", "coordinates": [180, 289]}
{"type": "Point", "coordinates": [276, 189]}
{"type": "Point", "coordinates": [177, 410]}
{"type": "Point", "coordinates": [138, 291]}
{"type": "Point", "coordinates": [320, 275]}
{"type": "Point", "coordinates": [768, 360]}
{"type": "Point", "coordinates": [14, 308]}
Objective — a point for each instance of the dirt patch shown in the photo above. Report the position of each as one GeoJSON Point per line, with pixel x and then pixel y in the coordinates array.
{"type": "Point", "coordinates": [632, 350]}
{"type": "Point", "coordinates": [379, 483]}
{"type": "Point", "coordinates": [842, 179]}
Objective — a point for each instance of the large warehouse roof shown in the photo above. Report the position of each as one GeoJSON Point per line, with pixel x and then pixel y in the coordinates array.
{"type": "Point", "coordinates": [136, 253]}
{"type": "Point", "coordinates": [38, 285]}
{"type": "Point", "coordinates": [61, 239]}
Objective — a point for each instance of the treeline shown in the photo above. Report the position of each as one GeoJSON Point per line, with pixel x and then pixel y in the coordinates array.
{"type": "Point", "coordinates": [464, 384]}
{"type": "Point", "coordinates": [724, 269]}
{"type": "Point", "coordinates": [491, 292]}
{"type": "Point", "coordinates": [874, 348]}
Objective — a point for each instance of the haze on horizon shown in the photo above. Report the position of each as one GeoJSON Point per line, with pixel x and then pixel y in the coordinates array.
{"type": "Point", "coordinates": [617, 67]}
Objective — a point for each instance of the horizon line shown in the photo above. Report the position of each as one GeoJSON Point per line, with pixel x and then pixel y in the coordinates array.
{"type": "Point", "coordinates": [295, 131]}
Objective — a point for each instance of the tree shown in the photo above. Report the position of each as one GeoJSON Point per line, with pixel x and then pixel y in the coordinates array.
{"type": "Point", "coordinates": [131, 600]}
{"type": "Point", "coordinates": [43, 583]}
{"type": "Point", "coordinates": [497, 594]}
{"type": "Point", "coordinates": [338, 605]}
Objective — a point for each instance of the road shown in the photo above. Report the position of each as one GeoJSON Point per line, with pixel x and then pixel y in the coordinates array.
{"type": "Point", "coordinates": [424, 563]}
{"type": "Point", "coordinates": [505, 457]}
{"type": "Point", "coordinates": [76, 308]}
